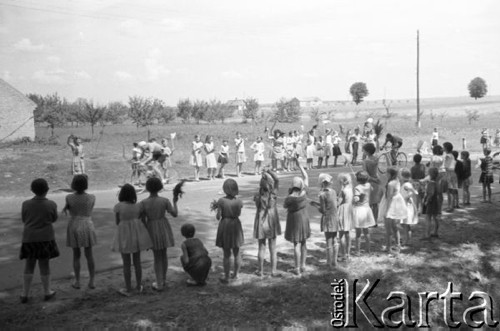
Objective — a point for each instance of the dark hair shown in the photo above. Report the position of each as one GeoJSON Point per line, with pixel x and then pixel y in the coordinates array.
{"type": "Point", "coordinates": [448, 147]}
{"type": "Point", "coordinates": [207, 138]}
{"type": "Point", "coordinates": [127, 194]}
{"type": "Point", "coordinates": [417, 158]}
{"type": "Point", "coordinates": [39, 186]}
{"type": "Point", "coordinates": [437, 150]}
{"type": "Point", "coordinates": [135, 144]}
{"type": "Point", "coordinates": [433, 173]}
{"type": "Point", "coordinates": [388, 135]}
{"type": "Point", "coordinates": [154, 185]}
{"type": "Point", "coordinates": [362, 177]}
{"type": "Point", "coordinates": [152, 140]}
{"type": "Point", "coordinates": [369, 148]}
{"type": "Point", "coordinates": [188, 230]}
{"type": "Point", "coordinates": [487, 151]}
{"type": "Point", "coordinates": [455, 154]}
{"type": "Point", "coordinates": [80, 183]}
{"type": "Point", "coordinates": [465, 155]}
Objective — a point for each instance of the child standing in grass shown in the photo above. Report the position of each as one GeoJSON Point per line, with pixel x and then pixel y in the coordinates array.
{"type": "Point", "coordinates": [230, 232]}
{"type": "Point", "coordinates": [329, 218]}
{"type": "Point", "coordinates": [131, 236]}
{"type": "Point", "coordinates": [310, 154]}
{"type": "Point", "coordinates": [78, 164]}
{"type": "Point", "coordinates": [223, 157]}
{"type": "Point", "coordinates": [80, 232]}
{"type": "Point", "coordinates": [297, 229]}
{"type": "Point", "coordinates": [320, 151]}
{"type": "Point", "coordinates": [240, 153]}
{"type": "Point", "coordinates": [466, 177]}
{"type": "Point", "coordinates": [392, 208]}
{"type": "Point", "coordinates": [370, 165]}
{"type": "Point", "coordinates": [451, 176]}
{"type": "Point", "coordinates": [417, 174]}
{"type": "Point", "coordinates": [345, 213]}
{"type": "Point", "coordinates": [194, 259]}
{"type": "Point", "coordinates": [210, 157]}
{"type": "Point", "coordinates": [336, 147]}
{"type": "Point", "coordinates": [410, 196]}
{"type": "Point", "coordinates": [154, 210]}
{"type": "Point", "coordinates": [267, 224]}
{"type": "Point", "coordinates": [258, 157]}
{"type": "Point", "coordinates": [486, 177]}
{"type": "Point", "coordinates": [435, 137]}
{"type": "Point", "coordinates": [362, 213]}
{"type": "Point", "coordinates": [432, 204]}
{"type": "Point", "coordinates": [196, 158]}
{"type": "Point", "coordinates": [38, 242]}
{"type": "Point", "coordinates": [485, 138]}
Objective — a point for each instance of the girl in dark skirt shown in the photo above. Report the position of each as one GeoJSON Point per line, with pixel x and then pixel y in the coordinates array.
{"type": "Point", "coordinates": [432, 204]}
{"type": "Point", "coordinates": [230, 232]}
{"type": "Point", "coordinates": [194, 259]}
{"type": "Point", "coordinates": [39, 243]}
{"type": "Point", "coordinates": [297, 220]}
{"type": "Point", "coordinates": [267, 224]}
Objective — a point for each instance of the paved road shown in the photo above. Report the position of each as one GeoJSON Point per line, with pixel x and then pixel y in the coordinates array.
{"type": "Point", "coordinates": [193, 208]}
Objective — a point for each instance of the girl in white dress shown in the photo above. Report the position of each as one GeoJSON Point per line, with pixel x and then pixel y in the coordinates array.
{"type": "Point", "coordinates": [345, 213]}
{"type": "Point", "coordinates": [223, 158]}
{"type": "Point", "coordinates": [410, 195]}
{"type": "Point", "coordinates": [210, 157]}
{"type": "Point", "coordinates": [258, 149]}
{"type": "Point", "coordinates": [196, 159]}
{"type": "Point", "coordinates": [362, 213]}
{"type": "Point", "coordinates": [240, 153]}
{"type": "Point", "coordinates": [392, 208]}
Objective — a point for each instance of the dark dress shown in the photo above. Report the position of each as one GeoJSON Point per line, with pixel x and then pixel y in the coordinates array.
{"type": "Point", "coordinates": [433, 199]}
{"type": "Point", "coordinates": [297, 219]}
{"type": "Point", "coordinates": [267, 222]}
{"type": "Point", "coordinates": [230, 231]}
{"type": "Point", "coordinates": [199, 263]}
{"type": "Point", "coordinates": [486, 170]}
{"type": "Point", "coordinates": [328, 210]}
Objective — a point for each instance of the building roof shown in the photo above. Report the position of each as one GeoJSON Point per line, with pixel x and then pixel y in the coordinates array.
{"type": "Point", "coordinates": [8, 92]}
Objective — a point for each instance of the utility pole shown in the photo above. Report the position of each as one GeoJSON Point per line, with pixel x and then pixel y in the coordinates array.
{"type": "Point", "coordinates": [418, 80]}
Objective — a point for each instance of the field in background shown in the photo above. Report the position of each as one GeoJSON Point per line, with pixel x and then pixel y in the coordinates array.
{"type": "Point", "coordinates": [106, 167]}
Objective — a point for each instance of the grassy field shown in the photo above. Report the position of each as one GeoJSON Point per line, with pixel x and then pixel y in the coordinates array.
{"type": "Point", "coordinates": [107, 168]}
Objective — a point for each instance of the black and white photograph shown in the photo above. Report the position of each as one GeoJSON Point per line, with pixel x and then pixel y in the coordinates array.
{"type": "Point", "coordinates": [249, 164]}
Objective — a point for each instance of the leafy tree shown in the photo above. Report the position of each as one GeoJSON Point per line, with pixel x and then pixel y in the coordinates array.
{"type": "Point", "coordinates": [144, 111]}
{"type": "Point", "coordinates": [287, 110]}
{"type": "Point", "coordinates": [219, 110]}
{"type": "Point", "coordinates": [185, 110]}
{"type": "Point", "coordinates": [251, 109]}
{"type": "Point", "coordinates": [200, 108]}
{"type": "Point", "coordinates": [477, 88]}
{"type": "Point", "coordinates": [51, 112]}
{"type": "Point", "coordinates": [116, 112]}
{"type": "Point", "coordinates": [90, 113]}
{"type": "Point", "coordinates": [38, 99]}
{"type": "Point", "coordinates": [472, 115]}
{"type": "Point", "coordinates": [168, 114]}
{"type": "Point", "coordinates": [358, 92]}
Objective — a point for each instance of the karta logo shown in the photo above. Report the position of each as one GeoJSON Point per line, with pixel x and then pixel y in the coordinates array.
{"type": "Point", "coordinates": [347, 305]}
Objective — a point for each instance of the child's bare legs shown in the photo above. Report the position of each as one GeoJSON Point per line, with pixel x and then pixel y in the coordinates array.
{"type": "Point", "coordinates": [451, 200]}
{"type": "Point", "coordinates": [466, 195]}
{"type": "Point", "coordinates": [303, 255]}
{"type": "Point", "coordinates": [76, 266]}
{"type": "Point", "coordinates": [332, 248]}
{"type": "Point", "coordinates": [90, 265]}
{"type": "Point", "coordinates": [257, 167]}
{"type": "Point", "coordinates": [160, 266]}
{"type": "Point", "coordinates": [335, 161]}
{"type": "Point", "coordinates": [397, 234]}
{"type": "Point", "coordinates": [297, 256]}
{"type": "Point", "coordinates": [136, 258]}
{"type": "Point", "coordinates": [366, 233]}
{"type": "Point", "coordinates": [428, 226]}
{"type": "Point", "coordinates": [320, 162]}
{"type": "Point", "coordinates": [196, 173]}
{"type": "Point", "coordinates": [347, 246]}
{"type": "Point", "coordinates": [326, 161]}
{"type": "Point", "coordinates": [226, 263]}
{"type": "Point", "coordinates": [282, 162]}
{"type": "Point", "coordinates": [274, 163]}
{"type": "Point", "coordinates": [436, 218]}
{"type": "Point", "coordinates": [260, 255]}
{"type": "Point", "coordinates": [358, 241]}
{"type": "Point", "coordinates": [221, 170]}
{"type": "Point", "coordinates": [238, 169]}
{"type": "Point", "coordinates": [408, 234]}
{"type": "Point", "coordinates": [29, 269]}
{"type": "Point", "coordinates": [274, 256]}
{"type": "Point", "coordinates": [388, 233]}
{"type": "Point", "coordinates": [237, 262]}
{"type": "Point", "coordinates": [127, 272]}
{"type": "Point", "coordinates": [44, 266]}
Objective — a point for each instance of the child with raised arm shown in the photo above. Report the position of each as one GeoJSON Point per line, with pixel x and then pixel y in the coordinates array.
{"type": "Point", "coordinates": [320, 151]}
{"type": "Point", "coordinates": [392, 208]}
{"type": "Point", "coordinates": [78, 164]}
{"type": "Point", "coordinates": [362, 214]}
{"type": "Point", "coordinates": [297, 229]}
{"type": "Point", "coordinates": [81, 232]}
{"type": "Point", "coordinates": [267, 224]}
{"type": "Point", "coordinates": [241, 157]}
{"type": "Point", "coordinates": [230, 232]}
{"type": "Point", "coordinates": [258, 157]}
{"type": "Point", "coordinates": [38, 243]}
{"type": "Point", "coordinates": [154, 210]}
{"type": "Point", "coordinates": [209, 147]}
{"type": "Point", "coordinates": [196, 158]}
{"type": "Point", "coordinates": [410, 195]}
{"type": "Point", "coordinates": [329, 218]}
{"type": "Point", "coordinates": [194, 259]}
{"type": "Point", "coordinates": [131, 237]}
{"type": "Point", "coordinates": [345, 213]}
{"type": "Point", "coordinates": [223, 158]}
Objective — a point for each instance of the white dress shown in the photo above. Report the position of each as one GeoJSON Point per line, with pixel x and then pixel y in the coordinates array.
{"type": "Point", "coordinates": [393, 204]}
{"type": "Point", "coordinates": [210, 157]}
{"type": "Point", "coordinates": [258, 148]}
{"type": "Point", "coordinates": [196, 158]}
{"type": "Point", "coordinates": [410, 196]}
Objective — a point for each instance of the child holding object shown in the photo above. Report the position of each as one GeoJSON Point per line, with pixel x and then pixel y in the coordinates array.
{"type": "Point", "coordinates": [154, 210]}
{"type": "Point", "coordinates": [131, 237]}
{"type": "Point", "coordinates": [362, 214]}
{"type": "Point", "coordinates": [267, 224]}
{"type": "Point", "coordinates": [345, 213]}
{"type": "Point", "coordinates": [297, 229]}
{"type": "Point", "coordinates": [80, 232]}
{"type": "Point", "coordinates": [38, 243]}
{"type": "Point", "coordinates": [410, 196]}
{"type": "Point", "coordinates": [194, 259]}
{"type": "Point", "coordinates": [230, 232]}
{"type": "Point", "coordinates": [329, 218]}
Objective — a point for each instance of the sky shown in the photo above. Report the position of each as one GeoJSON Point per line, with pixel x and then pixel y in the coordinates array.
{"type": "Point", "coordinates": [108, 50]}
